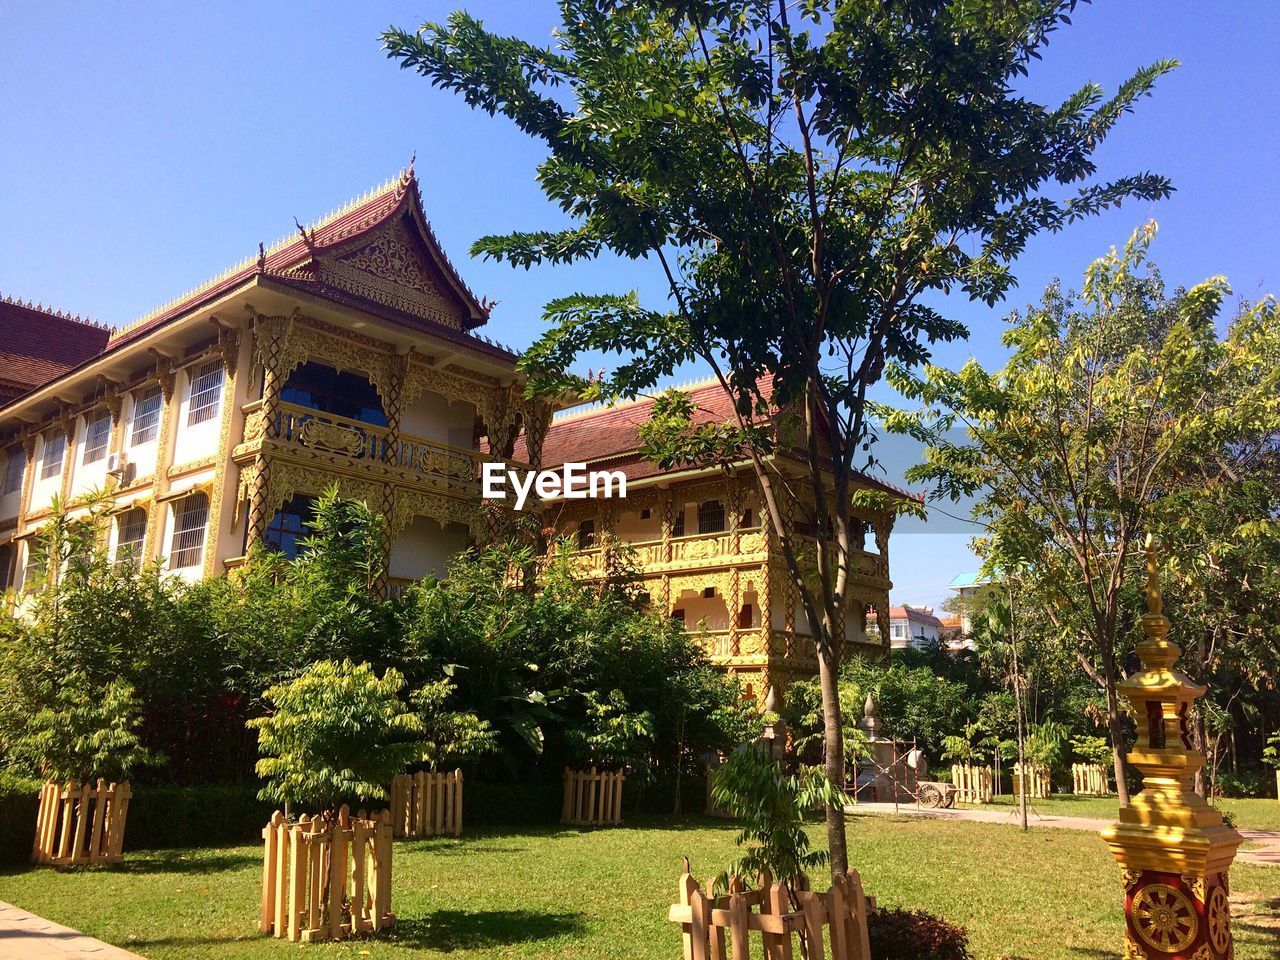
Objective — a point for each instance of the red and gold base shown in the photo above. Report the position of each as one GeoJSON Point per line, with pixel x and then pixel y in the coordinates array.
{"type": "Point", "coordinates": [1173, 917]}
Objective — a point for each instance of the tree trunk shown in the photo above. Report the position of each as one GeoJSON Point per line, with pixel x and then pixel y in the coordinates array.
{"type": "Point", "coordinates": [1114, 726]}
{"type": "Point", "coordinates": [833, 742]}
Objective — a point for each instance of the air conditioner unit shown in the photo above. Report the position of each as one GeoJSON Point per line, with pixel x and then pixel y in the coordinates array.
{"type": "Point", "coordinates": [117, 465]}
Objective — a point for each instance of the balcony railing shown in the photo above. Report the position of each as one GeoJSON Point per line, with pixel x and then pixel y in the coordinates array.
{"type": "Point", "coordinates": [330, 433]}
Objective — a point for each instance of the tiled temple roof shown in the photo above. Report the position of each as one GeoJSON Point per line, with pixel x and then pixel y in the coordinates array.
{"type": "Point", "coordinates": [38, 343]}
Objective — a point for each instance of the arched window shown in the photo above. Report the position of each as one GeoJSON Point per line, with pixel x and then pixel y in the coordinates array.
{"type": "Point", "coordinates": [190, 519]}
{"type": "Point", "coordinates": [343, 394]}
{"type": "Point", "coordinates": [711, 516]}
{"type": "Point", "coordinates": [288, 527]}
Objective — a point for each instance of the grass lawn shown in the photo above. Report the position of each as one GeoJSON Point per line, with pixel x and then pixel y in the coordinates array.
{"type": "Point", "coordinates": [548, 892]}
{"type": "Point", "coordinates": [1254, 814]}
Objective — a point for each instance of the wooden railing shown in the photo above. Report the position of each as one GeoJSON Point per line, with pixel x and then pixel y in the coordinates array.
{"type": "Point", "coordinates": [1090, 779]}
{"type": "Point", "coordinates": [592, 798]}
{"type": "Point", "coordinates": [79, 823]}
{"type": "Point", "coordinates": [325, 880]}
{"type": "Point", "coordinates": [819, 925]}
{"type": "Point", "coordinates": [427, 804]}
{"type": "Point", "coordinates": [974, 784]}
{"type": "Point", "coordinates": [331, 433]}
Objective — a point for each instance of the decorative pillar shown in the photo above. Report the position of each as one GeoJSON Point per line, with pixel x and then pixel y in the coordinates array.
{"type": "Point", "coordinates": [271, 335]}
{"type": "Point", "coordinates": [537, 421]}
{"type": "Point", "coordinates": [168, 379]}
{"type": "Point", "coordinates": [67, 422]}
{"type": "Point", "coordinates": [228, 350]}
{"type": "Point", "coordinates": [28, 477]}
{"type": "Point", "coordinates": [1174, 847]}
{"type": "Point", "coordinates": [668, 524]}
{"type": "Point", "coordinates": [734, 610]}
{"type": "Point", "coordinates": [735, 517]}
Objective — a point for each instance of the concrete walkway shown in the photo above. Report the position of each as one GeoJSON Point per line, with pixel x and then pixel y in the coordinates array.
{"type": "Point", "coordinates": [1260, 846]}
{"type": "Point", "coordinates": [24, 936]}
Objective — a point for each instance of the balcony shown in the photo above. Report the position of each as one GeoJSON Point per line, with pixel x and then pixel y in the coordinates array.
{"type": "Point", "coordinates": [683, 553]}
{"type": "Point", "coordinates": [327, 433]}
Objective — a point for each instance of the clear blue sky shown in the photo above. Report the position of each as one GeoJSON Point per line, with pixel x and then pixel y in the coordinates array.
{"type": "Point", "coordinates": [146, 146]}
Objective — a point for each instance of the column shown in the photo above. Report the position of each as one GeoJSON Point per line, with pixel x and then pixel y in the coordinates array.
{"type": "Point", "coordinates": [735, 609]}
{"type": "Point", "coordinates": [668, 524]}
{"type": "Point", "coordinates": [67, 421]}
{"type": "Point", "coordinates": [229, 349]}
{"type": "Point", "coordinates": [270, 343]}
{"type": "Point", "coordinates": [168, 378]}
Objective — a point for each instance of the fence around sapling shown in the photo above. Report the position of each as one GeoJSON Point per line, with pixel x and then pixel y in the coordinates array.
{"type": "Point", "coordinates": [818, 926]}
{"type": "Point", "coordinates": [592, 798]}
{"type": "Point", "coordinates": [1090, 779]}
{"type": "Point", "coordinates": [326, 879]}
{"type": "Point", "coordinates": [1037, 778]}
{"type": "Point", "coordinates": [80, 823]}
{"type": "Point", "coordinates": [427, 804]}
{"type": "Point", "coordinates": [974, 784]}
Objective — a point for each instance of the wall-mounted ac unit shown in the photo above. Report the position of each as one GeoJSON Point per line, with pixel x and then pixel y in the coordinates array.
{"type": "Point", "coordinates": [118, 466]}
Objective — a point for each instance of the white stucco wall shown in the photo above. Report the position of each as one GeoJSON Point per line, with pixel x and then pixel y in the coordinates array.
{"type": "Point", "coordinates": [423, 548]}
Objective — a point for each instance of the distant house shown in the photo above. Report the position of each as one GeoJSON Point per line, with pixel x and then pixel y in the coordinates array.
{"type": "Point", "coordinates": [968, 587]}
{"type": "Point", "coordinates": [913, 627]}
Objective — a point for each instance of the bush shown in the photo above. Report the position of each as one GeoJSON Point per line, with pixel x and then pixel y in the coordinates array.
{"type": "Point", "coordinates": [1246, 783]}
{"type": "Point", "coordinates": [914, 935]}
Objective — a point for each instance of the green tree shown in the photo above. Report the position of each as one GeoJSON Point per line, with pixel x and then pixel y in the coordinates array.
{"type": "Point", "coordinates": [807, 179]}
{"type": "Point", "coordinates": [337, 732]}
{"type": "Point", "coordinates": [1106, 402]}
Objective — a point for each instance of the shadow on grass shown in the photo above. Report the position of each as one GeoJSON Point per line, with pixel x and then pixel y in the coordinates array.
{"type": "Point", "coordinates": [447, 930]}
{"type": "Point", "coordinates": [178, 861]}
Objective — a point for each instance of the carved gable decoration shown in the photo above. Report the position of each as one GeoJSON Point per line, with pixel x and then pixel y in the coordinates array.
{"type": "Point", "coordinates": [391, 268]}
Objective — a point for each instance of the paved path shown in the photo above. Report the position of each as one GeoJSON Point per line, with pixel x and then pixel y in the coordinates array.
{"type": "Point", "coordinates": [1260, 846]}
{"type": "Point", "coordinates": [24, 936]}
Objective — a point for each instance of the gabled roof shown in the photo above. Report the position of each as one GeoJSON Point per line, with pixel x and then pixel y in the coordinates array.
{"type": "Point", "coordinates": [914, 614]}
{"type": "Point", "coordinates": [609, 436]}
{"type": "Point", "coordinates": [301, 255]}
{"type": "Point", "coordinates": [38, 344]}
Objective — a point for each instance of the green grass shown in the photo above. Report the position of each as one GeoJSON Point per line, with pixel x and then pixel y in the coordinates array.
{"type": "Point", "coordinates": [545, 892]}
{"type": "Point", "coordinates": [1252, 814]}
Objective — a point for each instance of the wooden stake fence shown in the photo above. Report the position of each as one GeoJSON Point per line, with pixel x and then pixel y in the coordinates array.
{"type": "Point", "coordinates": [973, 784]}
{"type": "Point", "coordinates": [1039, 784]}
{"type": "Point", "coordinates": [427, 804]}
{"type": "Point", "coordinates": [326, 880]}
{"type": "Point", "coordinates": [81, 824]}
{"type": "Point", "coordinates": [827, 925]}
{"type": "Point", "coordinates": [592, 798]}
{"type": "Point", "coordinates": [1090, 779]}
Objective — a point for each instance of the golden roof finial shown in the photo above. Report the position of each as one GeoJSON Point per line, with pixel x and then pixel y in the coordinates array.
{"type": "Point", "coordinates": [1154, 606]}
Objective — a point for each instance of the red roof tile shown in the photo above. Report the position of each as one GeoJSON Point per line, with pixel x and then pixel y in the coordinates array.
{"type": "Point", "coordinates": [37, 345]}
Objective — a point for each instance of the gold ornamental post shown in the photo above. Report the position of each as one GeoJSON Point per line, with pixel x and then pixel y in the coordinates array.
{"type": "Point", "coordinates": [1174, 847]}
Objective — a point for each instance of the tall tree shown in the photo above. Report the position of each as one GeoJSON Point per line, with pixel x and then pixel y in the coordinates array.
{"type": "Point", "coordinates": [805, 176]}
{"type": "Point", "coordinates": [1086, 436]}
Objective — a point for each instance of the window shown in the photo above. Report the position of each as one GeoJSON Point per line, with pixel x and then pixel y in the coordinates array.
{"type": "Point", "coordinates": [55, 445]}
{"type": "Point", "coordinates": [32, 571]}
{"type": "Point", "coordinates": [748, 517]}
{"type": "Point", "coordinates": [321, 387]}
{"type": "Point", "coordinates": [206, 389]}
{"type": "Point", "coordinates": [131, 530]}
{"type": "Point", "coordinates": [6, 566]}
{"type": "Point", "coordinates": [677, 527]}
{"type": "Point", "coordinates": [711, 516]}
{"type": "Point", "coordinates": [586, 534]}
{"type": "Point", "coordinates": [146, 416]}
{"type": "Point", "coordinates": [746, 617]}
{"type": "Point", "coordinates": [96, 435]}
{"type": "Point", "coordinates": [646, 513]}
{"type": "Point", "coordinates": [288, 527]}
{"type": "Point", "coordinates": [14, 467]}
{"type": "Point", "coordinates": [677, 615]}
{"type": "Point", "coordinates": [190, 517]}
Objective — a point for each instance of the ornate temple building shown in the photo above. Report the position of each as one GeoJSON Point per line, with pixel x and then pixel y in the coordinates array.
{"type": "Point", "coordinates": [703, 550]}
{"type": "Point", "coordinates": [346, 354]}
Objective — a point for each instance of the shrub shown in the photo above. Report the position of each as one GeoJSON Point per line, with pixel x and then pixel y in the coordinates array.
{"type": "Point", "coordinates": [915, 935]}
{"type": "Point", "coordinates": [338, 732]}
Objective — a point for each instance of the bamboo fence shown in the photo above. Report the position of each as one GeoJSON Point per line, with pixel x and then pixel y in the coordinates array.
{"type": "Point", "coordinates": [427, 804]}
{"type": "Point", "coordinates": [592, 798]}
{"type": "Point", "coordinates": [825, 925]}
{"type": "Point", "coordinates": [81, 824]}
{"type": "Point", "coordinates": [326, 879]}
